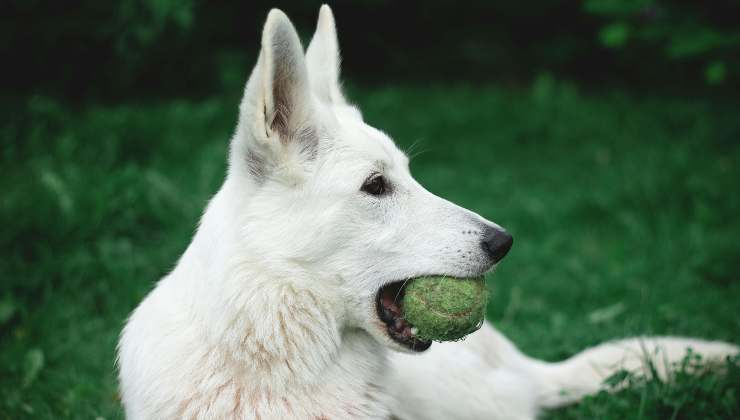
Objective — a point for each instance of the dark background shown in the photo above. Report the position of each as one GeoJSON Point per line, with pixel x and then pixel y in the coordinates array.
{"type": "Point", "coordinates": [85, 50]}
{"type": "Point", "coordinates": [604, 134]}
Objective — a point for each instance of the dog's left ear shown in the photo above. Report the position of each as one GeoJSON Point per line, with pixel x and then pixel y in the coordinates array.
{"type": "Point", "coordinates": [276, 133]}
{"type": "Point", "coordinates": [322, 58]}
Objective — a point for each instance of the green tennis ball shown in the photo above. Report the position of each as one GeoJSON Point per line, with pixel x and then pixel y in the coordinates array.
{"type": "Point", "coordinates": [444, 308]}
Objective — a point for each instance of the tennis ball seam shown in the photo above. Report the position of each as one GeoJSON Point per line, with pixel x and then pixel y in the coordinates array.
{"type": "Point", "coordinates": [445, 314]}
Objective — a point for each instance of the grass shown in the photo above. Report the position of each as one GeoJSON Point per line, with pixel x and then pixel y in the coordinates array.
{"type": "Point", "coordinates": [624, 210]}
{"type": "Point", "coordinates": [695, 390]}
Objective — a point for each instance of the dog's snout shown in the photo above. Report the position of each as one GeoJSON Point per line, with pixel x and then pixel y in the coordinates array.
{"type": "Point", "coordinates": [496, 243]}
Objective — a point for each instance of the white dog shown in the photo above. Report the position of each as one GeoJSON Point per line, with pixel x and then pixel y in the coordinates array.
{"type": "Point", "coordinates": [276, 309]}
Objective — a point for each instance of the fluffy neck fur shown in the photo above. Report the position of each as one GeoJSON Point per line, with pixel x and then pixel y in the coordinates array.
{"type": "Point", "coordinates": [245, 336]}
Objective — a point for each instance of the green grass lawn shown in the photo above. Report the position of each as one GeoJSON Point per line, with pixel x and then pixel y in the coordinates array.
{"type": "Point", "coordinates": [624, 210]}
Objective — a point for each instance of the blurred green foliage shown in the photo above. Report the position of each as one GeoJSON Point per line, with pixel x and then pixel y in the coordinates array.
{"type": "Point", "coordinates": [87, 49]}
{"type": "Point", "coordinates": [142, 23]}
{"type": "Point", "coordinates": [705, 33]}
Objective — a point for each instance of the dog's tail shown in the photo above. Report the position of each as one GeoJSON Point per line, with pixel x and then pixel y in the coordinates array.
{"type": "Point", "coordinates": [584, 374]}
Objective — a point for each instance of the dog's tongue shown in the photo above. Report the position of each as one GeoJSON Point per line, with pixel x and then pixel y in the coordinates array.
{"type": "Point", "coordinates": [390, 302]}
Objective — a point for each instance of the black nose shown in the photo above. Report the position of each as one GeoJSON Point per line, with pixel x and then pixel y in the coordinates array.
{"type": "Point", "coordinates": [496, 243]}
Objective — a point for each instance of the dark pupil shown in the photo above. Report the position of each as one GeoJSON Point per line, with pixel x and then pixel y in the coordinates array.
{"type": "Point", "coordinates": [376, 186]}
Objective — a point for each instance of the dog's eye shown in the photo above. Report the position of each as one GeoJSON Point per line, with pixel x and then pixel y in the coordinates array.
{"type": "Point", "coordinates": [375, 185]}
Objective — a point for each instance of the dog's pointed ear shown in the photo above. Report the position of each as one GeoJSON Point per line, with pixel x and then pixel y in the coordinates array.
{"type": "Point", "coordinates": [276, 129]}
{"type": "Point", "coordinates": [323, 59]}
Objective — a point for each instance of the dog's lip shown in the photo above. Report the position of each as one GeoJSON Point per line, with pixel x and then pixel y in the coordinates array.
{"type": "Point", "coordinates": [390, 311]}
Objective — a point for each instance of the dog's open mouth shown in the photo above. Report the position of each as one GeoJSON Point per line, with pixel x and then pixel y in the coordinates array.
{"type": "Point", "coordinates": [390, 311]}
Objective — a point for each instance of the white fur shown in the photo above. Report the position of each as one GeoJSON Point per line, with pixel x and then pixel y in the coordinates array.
{"type": "Point", "coordinates": [270, 313]}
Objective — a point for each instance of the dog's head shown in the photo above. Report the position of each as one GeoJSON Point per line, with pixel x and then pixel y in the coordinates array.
{"type": "Point", "coordinates": [333, 197]}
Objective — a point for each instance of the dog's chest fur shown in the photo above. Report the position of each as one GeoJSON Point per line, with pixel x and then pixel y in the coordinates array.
{"type": "Point", "coordinates": [351, 388]}
{"type": "Point", "coordinates": [280, 361]}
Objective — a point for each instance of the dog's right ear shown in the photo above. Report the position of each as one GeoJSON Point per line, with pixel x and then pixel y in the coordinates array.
{"type": "Point", "coordinates": [323, 59]}
{"type": "Point", "coordinates": [276, 134]}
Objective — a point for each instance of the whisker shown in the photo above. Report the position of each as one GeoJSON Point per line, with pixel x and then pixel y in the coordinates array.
{"type": "Point", "coordinates": [395, 299]}
{"type": "Point", "coordinates": [412, 151]}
